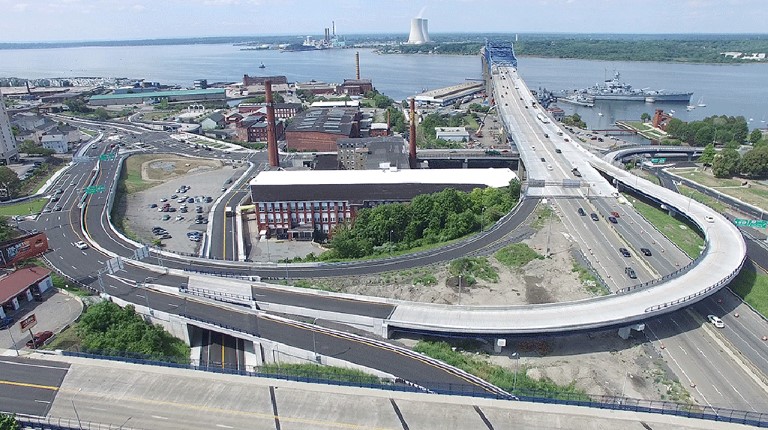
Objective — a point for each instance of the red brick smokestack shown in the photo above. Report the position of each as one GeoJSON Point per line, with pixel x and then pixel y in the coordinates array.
{"type": "Point", "coordinates": [274, 160]}
{"type": "Point", "coordinates": [412, 136]}
{"type": "Point", "coordinates": [389, 121]}
{"type": "Point", "coordinates": [357, 64]}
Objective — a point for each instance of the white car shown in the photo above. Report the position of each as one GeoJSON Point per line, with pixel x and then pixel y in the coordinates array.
{"type": "Point", "coordinates": [717, 322]}
{"type": "Point", "coordinates": [81, 245]}
{"type": "Point", "coordinates": [709, 218]}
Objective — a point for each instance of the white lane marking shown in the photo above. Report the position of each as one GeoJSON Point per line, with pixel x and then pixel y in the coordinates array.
{"type": "Point", "coordinates": [74, 267]}
{"type": "Point", "coordinates": [42, 366]}
{"type": "Point", "coordinates": [42, 401]}
{"type": "Point", "coordinates": [159, 417]}
{"type": "Point", "coordinates": [224, 426]}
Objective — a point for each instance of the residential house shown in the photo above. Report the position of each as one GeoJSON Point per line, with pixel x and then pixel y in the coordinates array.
{"type": "Point", "coordinates": [213, 121]}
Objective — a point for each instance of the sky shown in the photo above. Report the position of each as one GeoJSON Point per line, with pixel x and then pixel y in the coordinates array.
{"type": "Point", "coordinates": [63, 20]}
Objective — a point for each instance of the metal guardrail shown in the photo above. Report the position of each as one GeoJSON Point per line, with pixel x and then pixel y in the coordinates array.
{"type": "Point", "coordinates": [689, 297]}
{"type": "Point", "coordinates": [54, 423]}
{"type": "Point", "coordinates": [710, 413]}
{"type": "Point", "coordinates": [216, 295]}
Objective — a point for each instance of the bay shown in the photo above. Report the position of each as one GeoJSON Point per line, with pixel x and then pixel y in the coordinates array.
{"type": "Point", "coordinates": [733, 89]}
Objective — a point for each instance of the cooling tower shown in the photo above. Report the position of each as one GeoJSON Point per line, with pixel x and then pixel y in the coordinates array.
{"type": "Point", "coordinates": [425, 30]}
{"type": "Point", "coordinates": [417, 36]}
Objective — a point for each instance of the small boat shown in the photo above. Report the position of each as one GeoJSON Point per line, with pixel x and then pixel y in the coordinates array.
{"type": "Point", "coordinates": [690, 108]}
{"type": "Point", "coordinates": [701, 102]}
{"type": "Point", "coordinates": [671, 111]}
{"type": "Point", "coordinates": [599, 114]}
{"type": "Point", "coordinates": [262, 66]}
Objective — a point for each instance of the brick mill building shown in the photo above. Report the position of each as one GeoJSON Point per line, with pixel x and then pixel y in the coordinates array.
{"type": "Point", "coordinates": [318, 129]}
{"type": "Point", "coordinates": [295, 204]}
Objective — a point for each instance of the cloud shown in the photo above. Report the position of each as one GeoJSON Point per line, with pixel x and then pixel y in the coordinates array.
{"type": "Point", "coordinates": [20, 7]}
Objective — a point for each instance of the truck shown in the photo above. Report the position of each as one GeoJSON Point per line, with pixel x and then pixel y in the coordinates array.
{"type": "Point", "coordinates": [543, 118]}
{"type": "Point", "coordinates": [228, 211]}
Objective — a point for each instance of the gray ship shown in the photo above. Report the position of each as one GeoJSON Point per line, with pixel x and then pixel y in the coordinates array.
{"type": "Point", "coordinates": [614, 89]}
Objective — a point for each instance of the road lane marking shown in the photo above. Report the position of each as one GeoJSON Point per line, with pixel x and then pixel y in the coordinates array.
{"type": "Point", "coordinates": [42, 401]}
{"type": "Point", "coordinates": [159, 417]}
{"type": "Point", "coordinates": [28, 385]}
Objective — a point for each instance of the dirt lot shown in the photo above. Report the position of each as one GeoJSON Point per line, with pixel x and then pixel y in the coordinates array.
{"type": "Point", "coordinates": [160, 177]}
{"type": "Point", "coordinates": [540, 281]}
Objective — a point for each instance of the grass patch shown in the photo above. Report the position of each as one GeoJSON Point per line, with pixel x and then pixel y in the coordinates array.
{"type": "Point", "coordinates": [702, 198]}
{"type": "Point", "coordinates": [23, 208]}
{"type": "Point", "coordinates": [589, 280]}
{"type": "Point", "coordinates": [426, 279]}
{"type": "Point", "coordinates": [66, 340]}
{"type": "Point", "coordinates": [474, 267]}
{"type": "Point", "coordinates": [130, 178]}
{"type": "Point", "coordinates": [517, 255]}
{"type": "Point", "coordinates": [752, 286]}
{"type": "Point", "coordinates": [311, 284]}
{"type": "Point", "coordinates": [756, 194]}
{"type": "Point", "coordinates": [330, 373]}
{"type": "Point", "coordinates": [543, 214]}
{"type": "Point", "coordinates": [679, 232]}
{"type": "Point", "coordinates": [497, 375]}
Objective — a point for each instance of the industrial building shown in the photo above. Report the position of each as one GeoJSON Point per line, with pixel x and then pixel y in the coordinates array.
{"type": "Point", "coordinates": [372, 152]}
{"type": "Point", "coordinates": [294, 204]}
{"type": "Point", "coordinates": [449, 95]}
{"type": "Point", "coordinates": [259, 80]}
{"type": "Point", "coordinates": [8, 150]}
{"type": "Point", "coordinates": [157, 96]}
{"type": "Point", "coordinates": [318, 129]}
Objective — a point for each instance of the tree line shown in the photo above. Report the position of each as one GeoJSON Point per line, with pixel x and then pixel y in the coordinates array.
{"type": "Point", "coordinates": [427, 219]}
{"type": "Point", "coordinates": [719, 130]}
{"type": "Point", "coordinates": [729, 162]}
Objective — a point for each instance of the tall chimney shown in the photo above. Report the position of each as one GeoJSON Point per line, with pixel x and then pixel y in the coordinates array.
{"type": "Point", "coordinates": [357, 64]}
{"type": "Point", "coordinates": [412, 136]}
{"type": "Point", "coordinates": [389, 122]}
{"type": "Point", "coordinates": [274, 160]}
{"type": "Point", "coordinates": [333, 24]}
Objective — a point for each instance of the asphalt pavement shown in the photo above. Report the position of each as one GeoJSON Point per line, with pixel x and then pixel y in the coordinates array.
{"type": "Point", "coordinates": [29, 386]}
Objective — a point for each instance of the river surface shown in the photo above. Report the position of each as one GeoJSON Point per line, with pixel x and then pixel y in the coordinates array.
{"type": "Point", "coordinates": [737, 89]}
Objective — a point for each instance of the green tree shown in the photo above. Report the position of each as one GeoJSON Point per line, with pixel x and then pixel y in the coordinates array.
{"type": "Point", "coordinates": [108, 329]}
{"type": "Point", "coordinates": [645, 117]}
{"type": "Point", "coordinates": [8, 422]}
{"type": "Point", "coordinates": [515, 186]}
{"type": "Point", "coordinates": [755, 163]}
{"type": "Point", "coordinates": [726, 163]}
{"type": "Point", "coordinates": [381, 101]}
{"type": "Point", "coordinates": [77, 105]}
{"type": "Point", "coordinates": [101, 114]}
{"type": "Point", "coordinates": [704, 135]}
{"type": "Point", "coordinates": [755, 136]}
{"type": "Point", "coordinates": [396, 119]}
{"type": "Point", "coordinates": [32, 148]}
{"type": "Point", "coordinates": [9, 181]}
{"type": "Point", "coordinates": [708, 155]}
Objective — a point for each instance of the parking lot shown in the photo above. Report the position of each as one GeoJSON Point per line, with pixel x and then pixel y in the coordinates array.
{"type": "Point", "coordinates": [157, 206]}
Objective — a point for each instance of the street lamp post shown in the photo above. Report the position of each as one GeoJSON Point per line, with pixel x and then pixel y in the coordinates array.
{"type": "Point", "coordinates": [314, 339]}
{"type": "Point", "coordinates": [516, 356]}
{"type": "Point", "coordinates": [459, 289]}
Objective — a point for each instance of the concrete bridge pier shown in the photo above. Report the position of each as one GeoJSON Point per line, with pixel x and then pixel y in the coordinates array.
{"type": "Point", "coordinates": [624, 332]}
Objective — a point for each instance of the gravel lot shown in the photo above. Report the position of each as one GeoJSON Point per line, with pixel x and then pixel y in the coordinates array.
{"type": "Point", "coordinates": [204, 180]}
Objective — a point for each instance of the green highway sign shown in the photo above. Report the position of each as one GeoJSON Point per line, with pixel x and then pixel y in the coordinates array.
{"type": "Point", "coordinates": [108, 156]}
{"type": "Point", "coordinates": [658, 160]}
{"type": "Point", "coordinates": [93, 189]}
{"type": "Point", "coordinates": [756, 223]}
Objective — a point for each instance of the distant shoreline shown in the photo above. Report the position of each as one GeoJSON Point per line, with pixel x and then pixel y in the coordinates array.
{"type": "Point", "coordinates": [681, 48]}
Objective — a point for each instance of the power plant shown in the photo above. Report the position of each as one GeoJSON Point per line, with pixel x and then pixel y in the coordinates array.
{"type": "Point", "coordinates": [419, 32]}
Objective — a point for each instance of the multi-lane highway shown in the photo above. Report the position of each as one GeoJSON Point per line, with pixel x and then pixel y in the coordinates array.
{"type": "Point", "coordinates": [29, 387]}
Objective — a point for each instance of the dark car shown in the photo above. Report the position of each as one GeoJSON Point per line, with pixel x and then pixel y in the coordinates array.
{"type": "Point", "coordinates": [6, 322]}
{"type": "Point", "coordinates": [630, 272]}
{"type": "Point", "coordinates": [581, 212]}
{"type": "Point", "coordinates": [542, 159]}
{"type": "Point", "coordinates": [558, 150]}
{"type": "Point", "coordinates": [594, 217]}
{"type": "Point", "coordinates": [647, 252]}
{"type": "Point", "coordinates": [612, 220]}
{"type": "Point", "coordinates": [39, 339]}
{"type": "Point", "coordinates": [625, 252]}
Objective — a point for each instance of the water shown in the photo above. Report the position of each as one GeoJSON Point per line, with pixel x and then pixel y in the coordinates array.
{"type": "Point", "coordinates": [727, 89]}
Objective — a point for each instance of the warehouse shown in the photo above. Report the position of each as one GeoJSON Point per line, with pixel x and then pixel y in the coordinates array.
{"type": "Point", "coordinates": [157, 96]}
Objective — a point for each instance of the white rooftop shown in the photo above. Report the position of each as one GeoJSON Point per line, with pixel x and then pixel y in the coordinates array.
{"type": "Point", "coordinates": [494, 178]}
